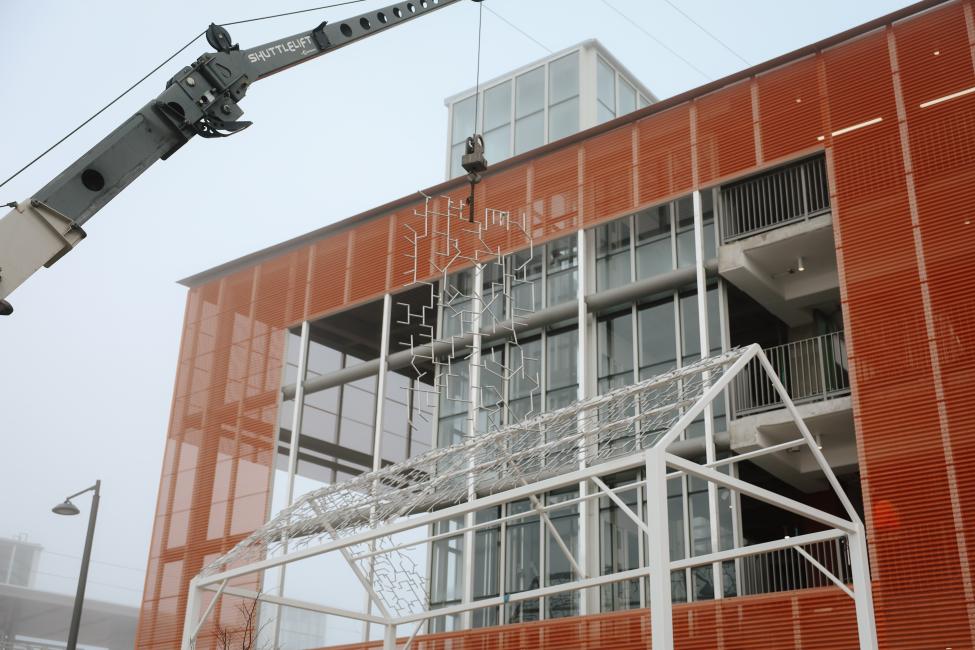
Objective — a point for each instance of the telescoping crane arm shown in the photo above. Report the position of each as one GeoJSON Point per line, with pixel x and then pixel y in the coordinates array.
{"type": "Point", "coordinates": [202, 99]}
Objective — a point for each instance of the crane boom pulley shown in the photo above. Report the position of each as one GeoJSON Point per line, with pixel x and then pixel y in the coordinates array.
{"type": "Point", "coordinates": [201, 99]}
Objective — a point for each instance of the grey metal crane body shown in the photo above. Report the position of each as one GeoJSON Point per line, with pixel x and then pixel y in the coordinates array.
{"type": "Point", "coordinates": [202, 99]}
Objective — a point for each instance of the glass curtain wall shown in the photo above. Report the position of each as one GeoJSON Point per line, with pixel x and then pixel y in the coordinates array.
{"type": "Point", "coordinates": [654, 335]}
{"type": "Point", "coordinates": [519, 114]}
{"type": "Point", "coordinates": [615, 96]}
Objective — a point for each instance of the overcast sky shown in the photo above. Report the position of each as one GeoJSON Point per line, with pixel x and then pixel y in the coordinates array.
{"type": "Point", "coordinates": [88, 358]}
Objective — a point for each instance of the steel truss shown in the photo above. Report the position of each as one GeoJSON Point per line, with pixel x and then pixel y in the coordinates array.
{"type": "Point", "coordinates": [628, 428]}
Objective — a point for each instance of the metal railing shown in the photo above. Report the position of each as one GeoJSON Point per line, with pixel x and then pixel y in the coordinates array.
{"type": "Point", "coordinates": [811, 370]}
{"type": "Point", "coordinates": [773, 199]}
{"type": "Point", "coordinates": [787, 570]}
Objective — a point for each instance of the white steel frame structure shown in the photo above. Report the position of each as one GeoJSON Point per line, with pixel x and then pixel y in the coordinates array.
{"type": "Point", "coordinates": [628, 428]}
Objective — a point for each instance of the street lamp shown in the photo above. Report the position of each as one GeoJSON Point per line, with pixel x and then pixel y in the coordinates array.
{"type": "Point", "coordinates": [68, 508]}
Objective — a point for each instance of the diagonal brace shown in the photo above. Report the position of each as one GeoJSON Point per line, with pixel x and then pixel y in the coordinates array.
{"type": "Point", "coordinates": [621, 504]}
{"type": "Point", "coordinates": [761, 494]}
{"type": "Point", "coordinates": [209, 609]}
{"type": "Point", "coordinates": [826, 572]}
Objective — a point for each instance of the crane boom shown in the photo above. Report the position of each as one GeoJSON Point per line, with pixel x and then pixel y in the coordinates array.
{"type": "Point", "coordinates": [201, 99]}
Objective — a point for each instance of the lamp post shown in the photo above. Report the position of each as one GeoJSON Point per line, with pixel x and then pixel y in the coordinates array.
{"type": "Point", "coordinates": [68, 508]}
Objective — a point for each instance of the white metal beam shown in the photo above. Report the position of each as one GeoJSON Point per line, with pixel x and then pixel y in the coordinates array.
{"type": "Point", "coordinates": [810, 441]}
{"type": "Point", "coordinates": [303, 604]}
{"type": "Point", "coordinates": [761, 494]}
{"type": "Point", "coordinates": [658, 551]}
{"type": "Point", "coordinates": [863, 594]}
{"type": "Point", "coordinates": [208, 610]}
{"type": "Point", "coordinates": [717, 575]}
{"type": "Point", "coordinates": [757, 549]}
{"type": "Point", "coordinates": [625, 509]}
{"type": "Point", "coordinates": [709, 395]}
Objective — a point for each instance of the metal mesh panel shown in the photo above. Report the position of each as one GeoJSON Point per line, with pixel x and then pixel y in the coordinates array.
{"type": "Point", "coordinates": [612, 425]}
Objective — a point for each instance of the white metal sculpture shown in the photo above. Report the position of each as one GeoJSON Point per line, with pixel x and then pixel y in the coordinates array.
{"type": "Point", "coordinates": [628, 428]}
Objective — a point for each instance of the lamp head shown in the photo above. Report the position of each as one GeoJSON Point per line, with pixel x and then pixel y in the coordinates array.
{"type": "Point", "coordinates": [66, 508]}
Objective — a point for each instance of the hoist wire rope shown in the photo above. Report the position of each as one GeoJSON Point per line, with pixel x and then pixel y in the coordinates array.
{"type": "Point", "coordinates": [477, 72]}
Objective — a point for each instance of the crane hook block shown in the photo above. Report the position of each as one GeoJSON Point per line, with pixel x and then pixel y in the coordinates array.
{"type": "Point", "coordinates": [219, 39]}
{"type": "Point", "coordinates": [473, 160]}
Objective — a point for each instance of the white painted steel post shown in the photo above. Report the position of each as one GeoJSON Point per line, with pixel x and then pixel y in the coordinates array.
{"type": "Point", "coordinates": [658, 551]}
{"type": "Point", "coordinates": [377, 446]}
{"type": "Point", "coordinates": [296, 424]}
{"type": "Point", "coordinates": [862, 593]}
{"type": "Point", "coordinates": [474, 375]}
{"type": "Point", "coordinates": [714, 521]}
{"type": "Point", "coordinates": [389, 638]}
{"type": "Point", "coordinates": [190, 619]}
{"type": "Point", "coordinates": [586, 598]}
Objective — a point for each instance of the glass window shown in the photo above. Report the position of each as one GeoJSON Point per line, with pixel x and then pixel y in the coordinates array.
{"type": "Point", "coordinates": [675, 518]}
{"type": "Point", "coordinates": [605, 92]}
{"type": "Point", "coordinates": [487, 547]}
{"type": "Point", "coordinates": [614, 345]}
{"type": "Point", "coordinates": [529, 132]}
{"type": "Point", "coordinates": [530, 92]}
{"type": "Point", "coordinates": [493, 296]}
{"type": "Point", "coordinates": [563, 78]}
{"type": "Point", "coordinates": [421, 420]}
{"type": "Point", "coordinates": [562, 262]}
{"type": "Point", "coordinates": [563, 119]}
{"type": "Point", "coordinates": [497, 106]}
{"type": "Point", "coordinates": [613, 254]}
{"type": "Point", "coordinates": [563, 97]}
{"type": "Point", "coordinates": [627, 98]}
{"type": "Point", "coordinates": [447, 565]}
{"type": "Point", "coordinates": [644, 102]}
{"type": "Point", "coordinates": [462, 125]}
{"type": "Point", "coordinates": [454, 401]}
{"type": "Point", "coordinates": [707, 214]}
{"type": "Point", "coordinates": [690, 328]}
{"type": "Point", "coordinates": [559, 569]}
{"type": "Point", "coordinates": [522, 561]}
{"type": "Point", "coordinates": [526, 282]}
{"type": "Point", "coordinates": [685, 229]}
{"type": "Point", "coordinates": [497, 122]}
{"type": "Point", "coordinates": [658, 340]}
{"type": "Point", "coordinates": [492, 390]}
{"type": "Point", "coordinates": [653, 250]}
{"type": "Point", "coordinates": [497, 144]}
{"type": "Point", "coordinates": [619, 547]}
{"type": "Point", "coordinates": [561, 359]}
{"type": "Point", "coordinates": [456, 303]}
{"type": "Point", "coordinates": [524, 386]}
{"type": "Point", "coordinates": [530, 110]}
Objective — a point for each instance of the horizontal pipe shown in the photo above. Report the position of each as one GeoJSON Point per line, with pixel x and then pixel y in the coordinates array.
{"type": "Point", "coordinates": [505, 330]}
{"type": "Point", "coordinates": [665, 281]}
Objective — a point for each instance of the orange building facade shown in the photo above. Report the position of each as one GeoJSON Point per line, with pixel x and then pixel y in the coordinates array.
{"type": "Point", "coordinates": [891, 105]}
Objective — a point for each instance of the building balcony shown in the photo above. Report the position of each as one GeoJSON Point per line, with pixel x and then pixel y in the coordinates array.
{"type": "Point", "coordinates": [777, 239]}
{"type": "Point", "coordinates": [815, 373]}
{"type": "Point", "coordinates": [790, 194]}
{"type": "Point", "coordinates": [812, 369]}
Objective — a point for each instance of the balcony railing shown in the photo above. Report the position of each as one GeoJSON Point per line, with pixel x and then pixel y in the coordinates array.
{"type": "Point", "coordinates": [811, 370]}
{"type": "Point", "coordinates": [792, 193]}
{"type": "Point", "coordinates": [787, 570]}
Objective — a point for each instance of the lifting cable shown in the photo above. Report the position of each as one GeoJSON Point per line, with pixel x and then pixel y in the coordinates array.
{"type": "Point", "coordinates": [473, 160]}
{"type": "Point", "coordinates": [156, 69]}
